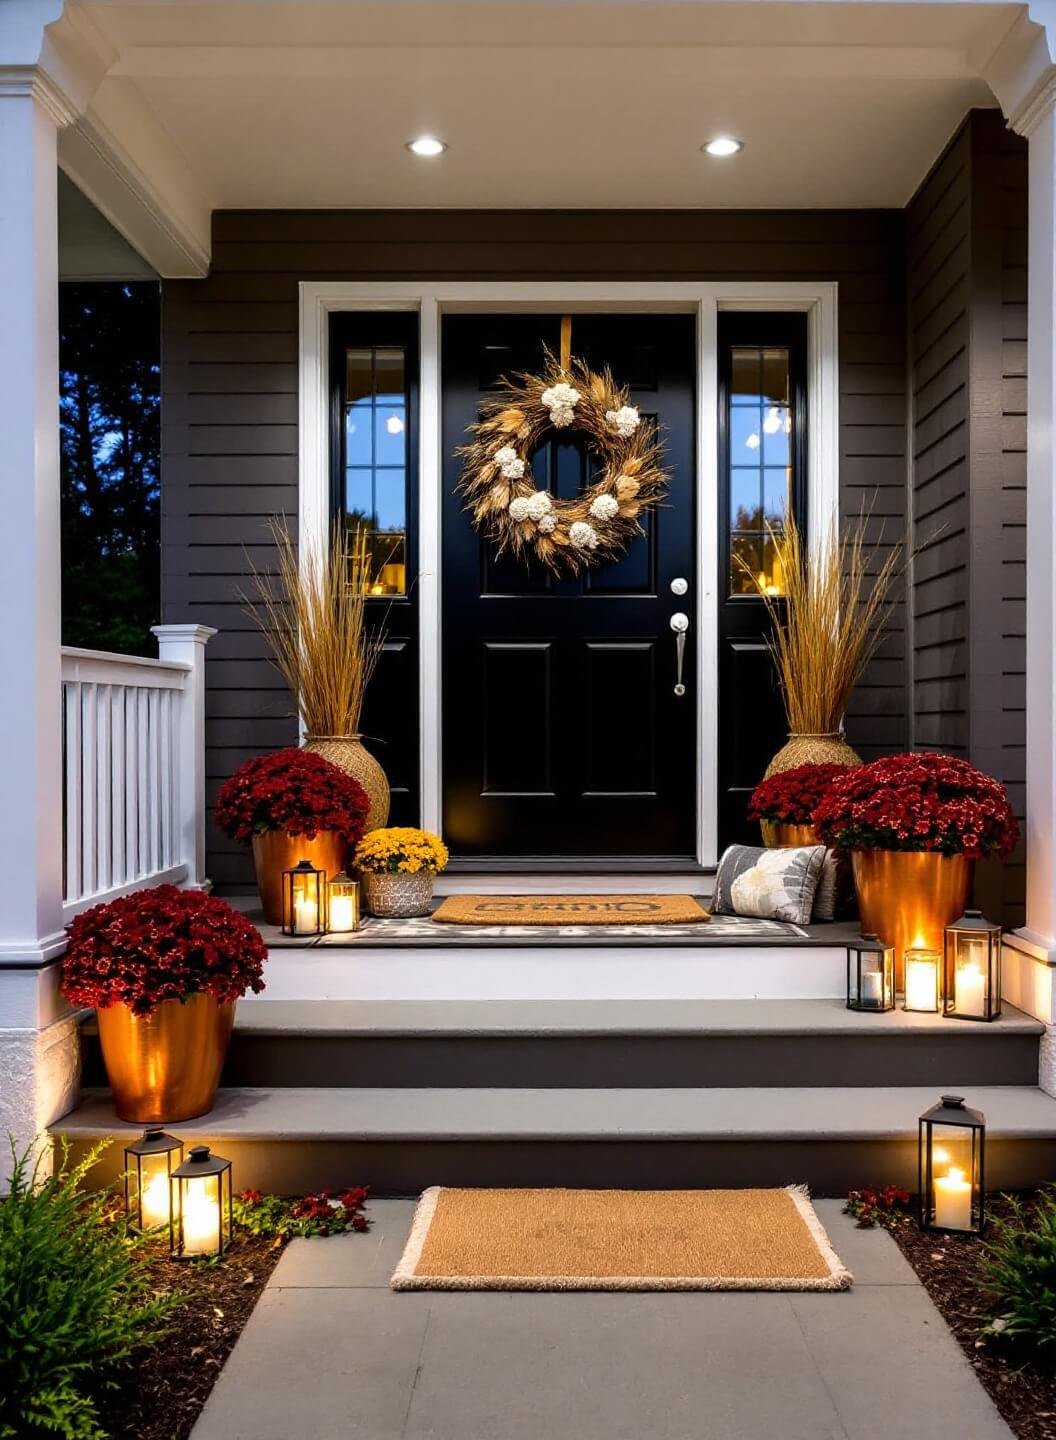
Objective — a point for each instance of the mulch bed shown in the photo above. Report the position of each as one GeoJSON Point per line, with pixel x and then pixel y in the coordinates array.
{"type": "Point", "coordinates": [161, 1396]}
{"type": "Point", "coordinates": [1024, 1393]}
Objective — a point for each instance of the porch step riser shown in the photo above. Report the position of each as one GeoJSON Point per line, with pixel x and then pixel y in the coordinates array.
{"type": "Point", "coordinates": [641, 1061]}
{"type": "Point", "coordinates": [291, 1166]}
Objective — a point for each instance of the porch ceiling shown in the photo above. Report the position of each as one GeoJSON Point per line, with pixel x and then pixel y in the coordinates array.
{"type": "Point", "coordinates": [592, 104]}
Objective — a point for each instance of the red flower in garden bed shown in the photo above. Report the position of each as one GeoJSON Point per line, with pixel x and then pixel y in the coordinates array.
{"type": "Point", "coordinates": [292, 790]}
{"type": "Point", "coordinates": [161, 944]}
{"type": "Point", "coordinates": [792, 796]}
{"type": "Point", "coordinates": [919, 801]}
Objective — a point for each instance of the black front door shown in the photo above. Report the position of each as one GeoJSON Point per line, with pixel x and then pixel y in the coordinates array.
{"type": "Point", "coordinates": [562, 734]}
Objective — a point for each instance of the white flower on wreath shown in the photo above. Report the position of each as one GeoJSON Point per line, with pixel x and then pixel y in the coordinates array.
{"type": "Point", "coordinates": [518, 508]}
{"type": "Point", "coordinates": [624, 421]}
{"type": "Point", "coordinates": [583, 536]}
{"type": "Point", "coordinates": [509, 462]}
{"type": "Point", "coordinates": [604, 507]}
{"type": "Point", "coordinates": [561, 400]}
{"type": "Point", "coordinates": [539, 505]}
{"type": "Point", "coordinates": [547, 523]}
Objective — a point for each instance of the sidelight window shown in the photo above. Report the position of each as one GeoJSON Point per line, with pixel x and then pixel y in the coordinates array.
{"type": "Point", "coordinates": [760, 463]}
{"type": "Point", "coordinates": [376, 441]}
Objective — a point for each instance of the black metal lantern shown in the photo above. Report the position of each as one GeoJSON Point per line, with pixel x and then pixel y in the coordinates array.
{"type": "Point", "coordinates": [951, 1165]}
{"type": "Point", "coordinates": [304, 900]}
{"type": "Point", "coordinates": [202, 1222]}
{"type": "Point", "coordinates": [870, 974]}
{"type": "Point", "coordinates": [149, 1164]}
{"type": "Point", "coordinates": [923, 980]}
{"type": "Point", "coordinates": [343, 906]}
{"type": "Point", "coordinates": [972, 968]}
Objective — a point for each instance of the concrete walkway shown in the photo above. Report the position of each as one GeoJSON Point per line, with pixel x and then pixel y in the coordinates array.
{"type": "Point", "coordinates": [332, 1354]}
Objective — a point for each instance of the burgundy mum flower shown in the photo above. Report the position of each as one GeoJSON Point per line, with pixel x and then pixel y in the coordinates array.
{"type": "Point", "coordinates": [792, 796]}
{"type": "Point", "coordinates": [292, 790]}
{"type": "Point", "coordinates": [919, 801]}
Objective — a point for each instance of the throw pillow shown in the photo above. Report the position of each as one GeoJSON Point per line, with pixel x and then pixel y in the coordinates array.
{"type": "Point", "coordinates": [825, 894]}
{"type": "Point", "coordinates": [768, 884]}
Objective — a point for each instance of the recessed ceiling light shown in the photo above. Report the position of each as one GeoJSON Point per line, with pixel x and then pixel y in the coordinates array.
{"type": "Point", "coordinates": [426, 145]}
{"type": "Point", "coordinates": [723, 145]}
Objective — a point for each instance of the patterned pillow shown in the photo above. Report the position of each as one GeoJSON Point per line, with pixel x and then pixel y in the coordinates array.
{"type": "Point", "coordinates": [768, 884]}
{"type": "Point", "coordinates": [825, 895]}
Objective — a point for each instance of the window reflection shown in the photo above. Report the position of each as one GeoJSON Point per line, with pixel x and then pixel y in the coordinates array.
{"type": "Point", "coordinates": [376, 458]}
{"type": "Point", "coordinates": [759, 423]}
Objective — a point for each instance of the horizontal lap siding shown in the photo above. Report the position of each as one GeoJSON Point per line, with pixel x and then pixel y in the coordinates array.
{"type": "Point", "coordinates": [966, 269]}
{"type": "Point", "coordinates": [230, 396]}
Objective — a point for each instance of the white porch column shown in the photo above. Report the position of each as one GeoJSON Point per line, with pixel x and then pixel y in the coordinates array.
{"type": "Point", "coordinates": [186, 644]}
{"type": "Point", "coordinates": [38, 1042]}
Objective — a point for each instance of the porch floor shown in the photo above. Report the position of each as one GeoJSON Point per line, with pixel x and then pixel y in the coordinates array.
{"type": "Point", "coordinates": [331, 1352]}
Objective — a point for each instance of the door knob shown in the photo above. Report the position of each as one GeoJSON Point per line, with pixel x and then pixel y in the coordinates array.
{"type": "Point", "coordinates": [679, 586]}
{"type": "Point", "coordinates": [679, 624]}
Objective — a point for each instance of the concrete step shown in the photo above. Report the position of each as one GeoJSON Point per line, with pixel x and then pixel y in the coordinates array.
{"type": "Point", "coordinates": [400, 1140]}
{"type": "Point", "coordinates": [536, 1044]}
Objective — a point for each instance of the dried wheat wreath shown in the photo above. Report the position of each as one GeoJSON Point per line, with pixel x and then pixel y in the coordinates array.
{"type": "Point", "coordinates": [569, 536]}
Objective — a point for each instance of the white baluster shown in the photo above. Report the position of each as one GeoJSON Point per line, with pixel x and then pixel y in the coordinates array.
{"type": "Point", "coordinates": [73, 888]}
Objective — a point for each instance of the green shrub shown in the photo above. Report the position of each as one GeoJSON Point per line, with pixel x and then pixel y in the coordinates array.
{"type": "Point", "coordinates": [75, 1299]}
{"type": "Point", "coordinates": [1018, 1265]}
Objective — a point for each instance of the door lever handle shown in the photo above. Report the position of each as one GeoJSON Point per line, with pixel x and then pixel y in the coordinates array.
{"type": "Point", "coordinates": [679, 624]}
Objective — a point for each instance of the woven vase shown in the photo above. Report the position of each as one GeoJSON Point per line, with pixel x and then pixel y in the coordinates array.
{"type": "Point", "coordinates": [349, 754]}
{"type": "Point", "coordinates": [399, 896]}
{"type": "Point", "coordinates": [812, 750]}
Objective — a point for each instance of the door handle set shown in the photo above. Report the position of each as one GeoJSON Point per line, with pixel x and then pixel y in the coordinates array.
{"type": "Point", "coordinates": [679, 624]}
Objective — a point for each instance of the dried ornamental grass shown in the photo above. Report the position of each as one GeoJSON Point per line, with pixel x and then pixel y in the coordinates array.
{"type": "Point", "coordinates": [314, 619]}
{"type": "Point", "coordinates": [828, 622]}
{"type": "Point", "coordinates": [568, 536]}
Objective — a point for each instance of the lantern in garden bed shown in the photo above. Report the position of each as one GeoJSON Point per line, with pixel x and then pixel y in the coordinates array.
{"type": "Point", "coordinates": [972, 968]}
{"type": "Point", "coordinates": [304, 900]}
{"type": "Point", "coordinates": [149, 1164]}
{"type": "Point", "coordinates": [870, 974]}
{"type": "Point", "coordinates": [202, 1220]}
{"type": "Point", "coordinates": [951, 1165]}
{"type": "Point", "coordinates": [344, 911]}
{"type": "Point", "coordinates": [923, 980]}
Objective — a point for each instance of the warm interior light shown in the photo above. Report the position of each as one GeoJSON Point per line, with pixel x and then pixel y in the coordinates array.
{"type": "Point", "coordinates": [722, 146]}
{"type": "Point", "coordinates": [201, 1216]}
{"type": "Point", "coordinates": [427, 145]}
{"type": "Point", "coordinates": [154, 1206]}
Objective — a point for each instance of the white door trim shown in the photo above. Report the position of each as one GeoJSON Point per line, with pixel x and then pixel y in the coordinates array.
{"type": "Point", "coordinates": [319, 299]}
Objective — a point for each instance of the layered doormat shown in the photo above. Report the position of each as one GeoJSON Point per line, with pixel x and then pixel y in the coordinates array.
{"type": "Point", "coordinates": [570, 910]}
{"type": "Point", "coordinates": [618, 1240]}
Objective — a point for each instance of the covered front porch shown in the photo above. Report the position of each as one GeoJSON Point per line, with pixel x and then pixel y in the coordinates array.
{"type": "Point", "coordinates": [262, 173]}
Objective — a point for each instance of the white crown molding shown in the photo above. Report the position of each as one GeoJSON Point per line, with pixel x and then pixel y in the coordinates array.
{"type": "Point", "coordinates": [23, 82]}
{"type": "Point", "coordinates": [1021, 71]}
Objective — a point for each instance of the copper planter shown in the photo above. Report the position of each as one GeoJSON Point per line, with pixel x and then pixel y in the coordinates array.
{"type": "Point", "coordinates": [165, 1067]}
{"type": "Point", "coordinates": [908, 897]}
{"type": "Point", "coordinates": [275, 851]}
{"type": "Point", "coordinates": [780, 836]}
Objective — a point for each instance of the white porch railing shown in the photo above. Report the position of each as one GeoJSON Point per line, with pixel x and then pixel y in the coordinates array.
{"type": "Point", "coordinates": [133, 759]}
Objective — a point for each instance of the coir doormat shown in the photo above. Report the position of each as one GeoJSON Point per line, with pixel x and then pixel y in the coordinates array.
{"type": "Point", "coordinates": [570, 910]}
{"type": "Point", "coordinates": [618, 1240]}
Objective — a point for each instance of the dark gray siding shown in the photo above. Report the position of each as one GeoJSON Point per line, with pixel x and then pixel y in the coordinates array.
{"type": "Point", "coordinates": [967, 336]}
{"type": "Point", "coordinates": [230, 395]}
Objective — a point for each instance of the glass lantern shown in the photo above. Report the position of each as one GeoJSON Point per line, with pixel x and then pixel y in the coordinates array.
{"type": "Point", "coordinates": [304, 900]}
{"type": "Point", "coordinates": [972, 969]}
{"type": "Point", "coordinates": [343, 904]}
{"type": "Point", "coordinates": [923, 981]}
{"type": "Point", "coordinates": [202, 1222]}
{"type": "Point", "coordinates": [950, 1159]}
{"type": "Point", "coordinates": [149, 1164]}
{"type": "Point", "coordinates": [870, 974]}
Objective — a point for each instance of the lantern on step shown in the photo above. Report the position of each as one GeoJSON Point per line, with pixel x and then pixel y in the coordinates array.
{"type": "Point", "coordinates": [951, 1164]}
{"type": "Point", "coordinates": [870, 974]}
{"type": "Point", "coordinates": [149, 1164]}
{"type": "Point", "coordinates": [344, 912]}
{"type": "Point", "coordinates": [972, 968]}
{"type": "Point", "coordinates": [202, 1221]}
{"type": "Point", "coordinates": [304, 900]}
{"type": "Point", "coordinates": [923, 980]}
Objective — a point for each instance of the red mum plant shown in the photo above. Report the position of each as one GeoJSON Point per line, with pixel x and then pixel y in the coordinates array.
{"type": "Point", "coordinates": [920, 801]}
{"type": "Point", "coordinates": [792, 796]}
{"type": "Point", "coordinates": [872, 1206]}
{"type": "Point", "coordinates": [292, 790]}
{"type": "Point", "coordinates": [161, 944]}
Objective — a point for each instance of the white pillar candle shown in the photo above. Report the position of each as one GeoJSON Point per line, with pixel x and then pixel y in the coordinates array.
{"type": "Point", "coordinates": [342, 916]}
{"type": "Point", "coordinates": [872, 987]}
{"type": "Point", "coordinates": [305, 915]}
{"type": "Point", "coordinates": [154, 1202]}
{"type": "Point", "coordinates": [953, 1200]}
{"type": "Point", "coordinates": [201, 1217]}
{"type": "Point", "coordinates": [970, 990]}
{"type": "Point", "coordinates": [920, 983]}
